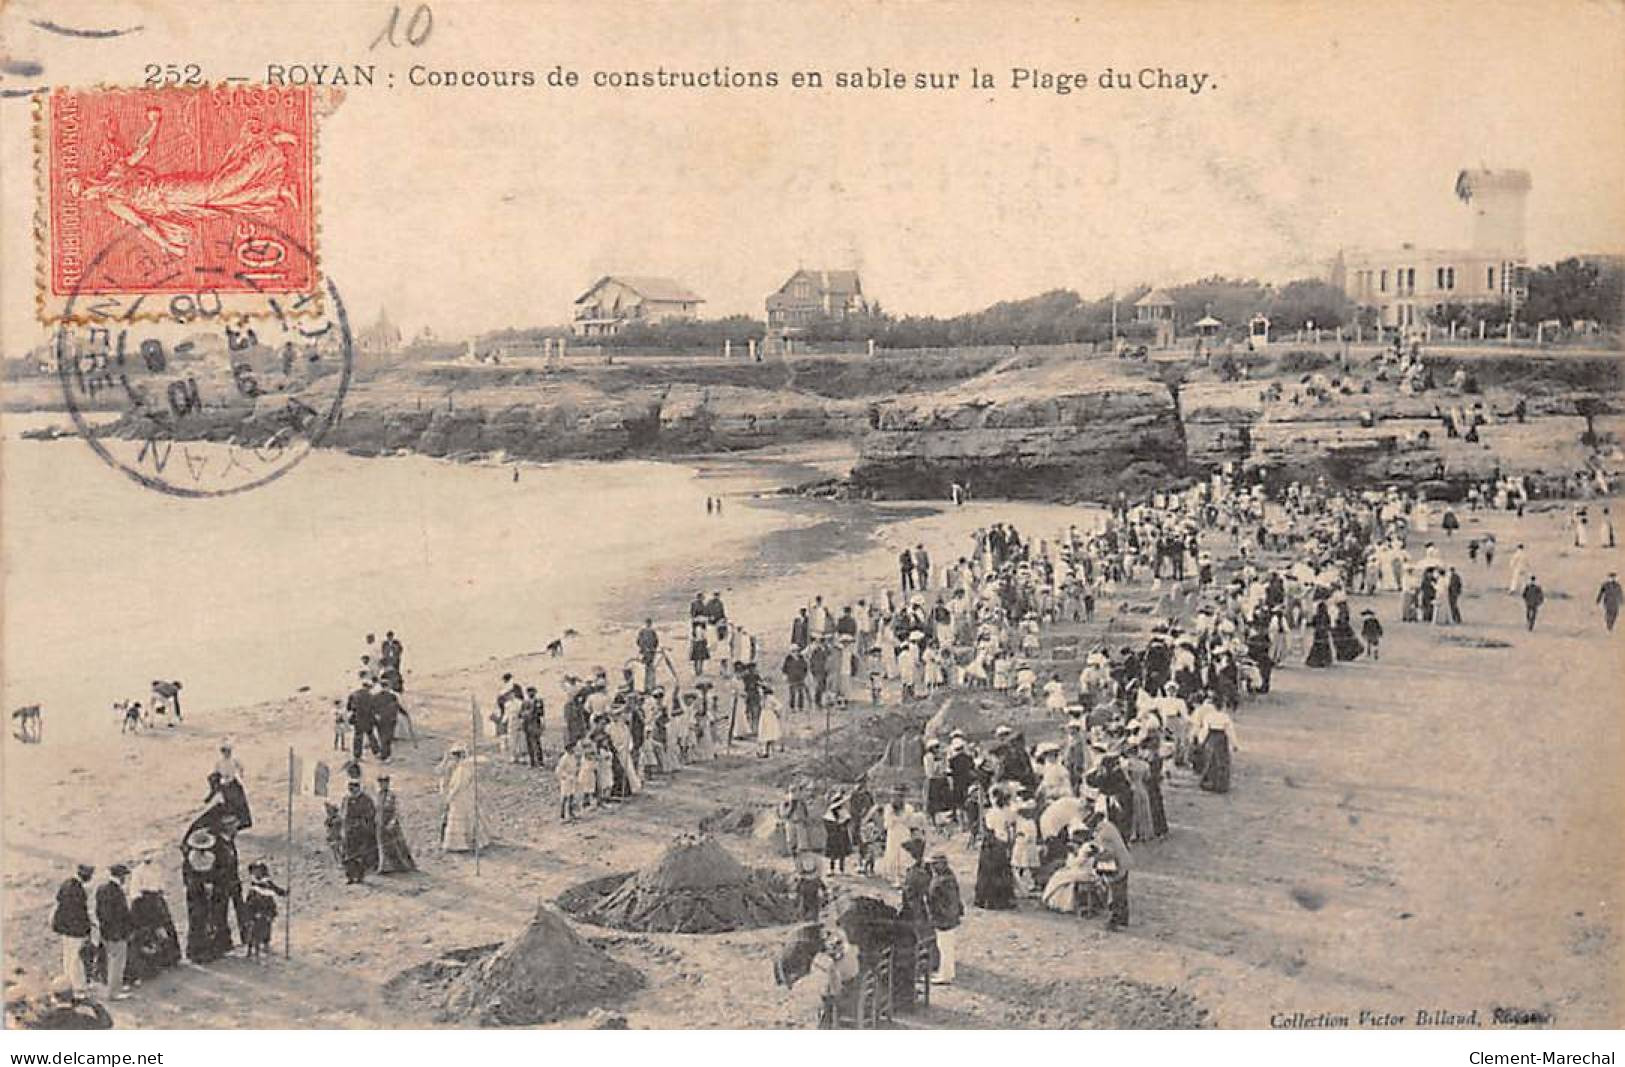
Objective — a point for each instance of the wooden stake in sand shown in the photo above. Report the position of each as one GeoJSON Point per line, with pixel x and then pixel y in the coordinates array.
{"type": "Point", "coordinates": [287, 923]}
{"type": "Point", "coordinates": [474, 755]}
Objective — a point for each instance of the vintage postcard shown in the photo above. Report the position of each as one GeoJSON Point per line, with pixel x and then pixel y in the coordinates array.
{"type": "Point", "coordinates": [715, 514]}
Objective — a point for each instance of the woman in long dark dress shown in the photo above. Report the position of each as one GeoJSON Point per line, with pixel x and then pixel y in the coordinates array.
{"type": "Point", "coordinates": [939, 795]}
{"type": "Point", "coordinates": [1153, 787]}
{"type": "Point", "coordinates": [1216, 762]}
{"type": "Point", "coordinates": [995, 883]}
{"type": "Point", "coordinates": [1320, 650]}
{"type": "Point", "coordinates": [208, 931]}
{"type": "Point", "coordinates": [155, 944]}
{"type": "Point", "coordinates": [1344, 640]}
{"type": "Point", "coordinates": [837, 833]}
{"type": "Point", "coordinates": [394, 855]}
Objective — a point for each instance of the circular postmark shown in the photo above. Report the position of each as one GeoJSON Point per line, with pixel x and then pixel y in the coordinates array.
{"type": "Point", "coordinates": [193, 395]}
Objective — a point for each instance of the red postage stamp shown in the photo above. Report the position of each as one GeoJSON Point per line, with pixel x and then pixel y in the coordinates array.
{"type": "Point", "coordinates": [177, 190]}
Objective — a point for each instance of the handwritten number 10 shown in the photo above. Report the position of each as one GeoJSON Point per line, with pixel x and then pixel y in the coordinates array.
{"type": "Point", "coordinates": [418, 28]}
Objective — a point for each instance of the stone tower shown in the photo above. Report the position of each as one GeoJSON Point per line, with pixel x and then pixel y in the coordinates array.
{"type": "Point", "coordinates": [1497, 199]}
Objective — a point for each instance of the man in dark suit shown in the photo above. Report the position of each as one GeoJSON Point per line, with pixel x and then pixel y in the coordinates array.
{"type": "Point", "coordinates": [113, 917]}
{"type": "Point", "coordinates": [72, 921]}
{"type": "Point", "coordinates": [1533, 597]}
{"type": "Point", "coordinates": [363, 719]}
{"type": "Point", "coordinates": [386, 714]}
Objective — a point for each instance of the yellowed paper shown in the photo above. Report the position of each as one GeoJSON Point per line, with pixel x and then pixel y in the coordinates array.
{"type": "Point", "coordinates": [416, 390]}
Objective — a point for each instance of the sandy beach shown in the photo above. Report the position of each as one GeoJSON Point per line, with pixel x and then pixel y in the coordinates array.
{"type": "Point", "coordinates": [1384, 816]}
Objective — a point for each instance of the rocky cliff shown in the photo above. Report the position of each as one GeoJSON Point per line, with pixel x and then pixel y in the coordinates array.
{"type": "Point", "coordinates": [1040, 425]}
{"type": "Point", "coordinates": [1085, 430]}
{"type": "Point", "coordinates": [1070, 431]}
{"type": "Point", "coordinates": [566, 421]}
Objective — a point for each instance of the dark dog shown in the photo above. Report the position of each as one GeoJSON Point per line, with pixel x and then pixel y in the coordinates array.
{"type": "Point", "coordinates": [30, 724]}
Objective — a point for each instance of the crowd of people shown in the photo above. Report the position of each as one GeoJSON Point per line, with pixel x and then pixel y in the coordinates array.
{"type": "Point", "coordinates": [1056, 823]}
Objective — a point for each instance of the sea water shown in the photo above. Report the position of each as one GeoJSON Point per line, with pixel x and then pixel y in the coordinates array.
{"type": "Point", "coordinates": [109, 585]}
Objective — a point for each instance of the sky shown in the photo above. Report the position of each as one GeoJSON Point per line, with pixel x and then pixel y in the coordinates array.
{"type": "Point", "coordinates": [1320, 125]}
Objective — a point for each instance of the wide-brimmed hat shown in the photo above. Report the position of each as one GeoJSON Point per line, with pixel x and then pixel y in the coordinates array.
{"type": "Point", "coordinates": [200, 838]}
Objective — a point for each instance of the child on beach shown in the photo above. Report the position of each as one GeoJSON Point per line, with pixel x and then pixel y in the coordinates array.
{"type": "Point", "coordinates": [1024, 852]}
{"type": "Point", "coordinates": [1371, 632]}
{"type": "Point", "coordinates": [935, 676]}
{"type": "Point", "coordinates": [567, 772]}
{"type": "Point", "coordinates": [871, 835]}
{"type": "Point", "coordinates": [809, 887]}
{"type": "Point", "coordinates": [341, 727]}
{"type": "Point", "coordinates": [587, 777]}
{"type": "Point", "coordinates": [1026, 681]}
{"type": "Point", "coordinates": [1055, 695]}
{"type": "Point", "coordinates": [769, 728]}
{"type": "Point", "coordinates": [970, 815]}
{"type": "Point", "coordinates": [876, 674]}
{"type": "Point", "coordinates": [700, 746]}
{"type": "Point", "coordinates": [260, 909]}
{"type": "Point", "coordinates": [499, 726]}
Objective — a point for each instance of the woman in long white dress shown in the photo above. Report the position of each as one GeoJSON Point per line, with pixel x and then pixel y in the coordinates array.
{"type": "Point", "coordinates": [901, 821]}
{"type": "Point", "coordinates": [463, 826]}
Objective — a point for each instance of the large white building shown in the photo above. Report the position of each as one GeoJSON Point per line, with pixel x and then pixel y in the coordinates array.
{"type": "Point", "coordinates": [1403, 285]}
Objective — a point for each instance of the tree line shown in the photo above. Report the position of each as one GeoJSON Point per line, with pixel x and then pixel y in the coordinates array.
{"type": "Point", "coordinates": [1570, 290]}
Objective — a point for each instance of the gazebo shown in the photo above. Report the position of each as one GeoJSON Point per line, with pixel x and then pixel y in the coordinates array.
{"type": "Point", "coordinates": [1207, 326]}
{"type": "Point", "coordinates": [1157, 308]}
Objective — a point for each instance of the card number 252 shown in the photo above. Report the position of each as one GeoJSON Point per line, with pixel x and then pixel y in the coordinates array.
{"type": "Point", "coordinates": [173, 74]}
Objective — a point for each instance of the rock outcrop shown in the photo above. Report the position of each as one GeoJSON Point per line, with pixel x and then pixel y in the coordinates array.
{"type": "Point", "coordinates": [564, 423]}
{"type": "Point", "coordinates": [1075, 431]}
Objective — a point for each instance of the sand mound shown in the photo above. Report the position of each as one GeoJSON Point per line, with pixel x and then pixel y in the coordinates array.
{"type": "Point", "coordinates": [959, 712]}
{"type": "Point", "coordinates": [544, 973]}
{"type": "Point", "coordinates": [726, 820]}
{"type": "Point", "coordinates": [694, 888]}
{"type": "Point", "coordinates": [1308, 899]}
